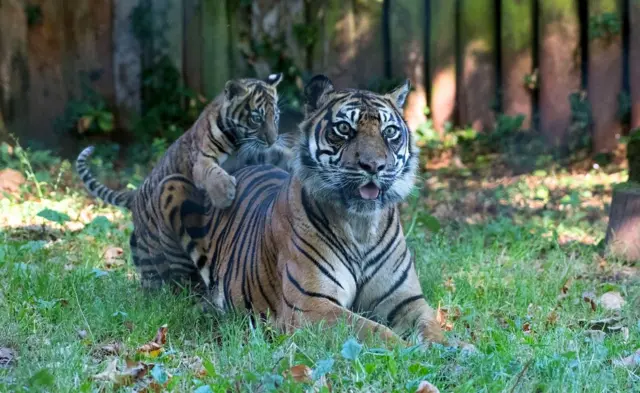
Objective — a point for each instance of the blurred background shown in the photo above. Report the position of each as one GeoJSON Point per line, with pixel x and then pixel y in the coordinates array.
{"type": "Point", "coordinates": [499, 87]}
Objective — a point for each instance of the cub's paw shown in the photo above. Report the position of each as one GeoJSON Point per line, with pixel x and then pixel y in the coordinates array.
{"type": "Point", "coordinates": [222, 190]}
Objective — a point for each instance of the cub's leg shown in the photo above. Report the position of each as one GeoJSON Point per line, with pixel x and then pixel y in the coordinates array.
{"type": "Point", "coordinates": [219, 185]}
{"type": "Point", "coordinates": [302, 304]}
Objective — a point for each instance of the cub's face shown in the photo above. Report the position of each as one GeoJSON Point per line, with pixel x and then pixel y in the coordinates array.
{"type": "Point", "coordinates": [251, 110]}
{"type": "Point", "coordinates": [357, 150]}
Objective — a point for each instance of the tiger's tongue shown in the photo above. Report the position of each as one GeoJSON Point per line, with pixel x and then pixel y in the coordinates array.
{"type": "Point", "coordinates": [369, 191]}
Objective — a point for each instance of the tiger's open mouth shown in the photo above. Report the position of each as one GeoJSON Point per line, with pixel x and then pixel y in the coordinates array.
{"type": "Point", "coordinates": [369, 191]}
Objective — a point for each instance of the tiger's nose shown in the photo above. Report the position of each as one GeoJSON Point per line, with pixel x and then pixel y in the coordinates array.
{"type": "Point", "coordinates": [372, 166]}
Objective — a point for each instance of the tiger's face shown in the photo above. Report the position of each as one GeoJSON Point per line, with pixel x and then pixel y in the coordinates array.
{"type": "Point", "coordinates": [356, 149]}
{"type": "Point", "coordinates": [251, 110]}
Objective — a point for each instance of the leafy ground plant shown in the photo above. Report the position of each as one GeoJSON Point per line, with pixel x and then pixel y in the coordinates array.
{"type": "Point", "coordinates": [512, 264]}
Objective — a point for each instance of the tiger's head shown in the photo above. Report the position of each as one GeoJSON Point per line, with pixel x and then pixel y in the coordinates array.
{"type": "Point", "coordinates": [356, 150]}
{"type": "Point", "coordinates": [250, 110]}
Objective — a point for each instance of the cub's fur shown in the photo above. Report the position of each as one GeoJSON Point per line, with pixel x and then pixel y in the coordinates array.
{"type": "Point", "coordinates": [324, 242]}
{"type": "Point", "coordinates": [245, 117]}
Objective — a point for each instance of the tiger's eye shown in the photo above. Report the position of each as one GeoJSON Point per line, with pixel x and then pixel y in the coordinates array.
{"type": "Point", "coordinates": [344, 128]}
{"type": "Point", "coordinates": [390, 132]}
{"type": "Point", "coordinates": [256, 118]}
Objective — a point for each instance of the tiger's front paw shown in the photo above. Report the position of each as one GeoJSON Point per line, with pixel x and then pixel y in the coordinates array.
{"type": "Point", "coordinates": [222, 190]}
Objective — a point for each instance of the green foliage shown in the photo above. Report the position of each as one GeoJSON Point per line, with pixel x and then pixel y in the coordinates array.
{"type": "Point", "coordinates": [54, 216]}
{"type": "Point", "coordinates": [606, 26]}
{"type": "Point", "coordinates": [33, 13]}
{"type": "Point", "coordinates": [274, 52]}
{"type": "Point", "coordinates": [579, 135]}
{"type": "Point", "coordinates": [88, 114]}
{"type": "Point", "coordinates": [624, 107]}
{"type": "Point", "coordinates": [633, 155]}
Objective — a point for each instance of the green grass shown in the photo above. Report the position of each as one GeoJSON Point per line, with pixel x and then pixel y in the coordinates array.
{"type": "Point", "coordinates": [498, 268]}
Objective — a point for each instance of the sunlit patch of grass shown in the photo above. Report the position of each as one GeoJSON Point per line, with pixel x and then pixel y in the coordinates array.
{"type": "Point", "coordinates": [505, 281]}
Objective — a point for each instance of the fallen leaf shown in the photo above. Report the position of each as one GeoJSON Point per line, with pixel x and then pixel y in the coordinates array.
{"type": "Point", "coordinates": [595, 335]}
{"type": "Point", "coordinates": [441, 318]}
{"type": "Point", "coordinates": [301, 373]}
{"type": "Point", "coordinates": [590, 298]}
{"type": "Point", "coordinates": [552, 318]}
{"type": "Point", "coordinates": [565, 289]}
{"type": "Point", "coordinates": [625, 334]}
{"type": "Point", "coordinates": [113, 257]}
{"type": "Point", "coordinates": [526, 328]}
{"type": "Point", "coordinates": [608, 324]}
{"type": "Point", "coordinates": [427, 387]}
{"type": "Point", "coordinates": [111, 349]}
{"type": "Point", "coordinates": [6, 357]}
{"type": "Point", "coordinates": [631, 361]}
{"type": "Point", "coordinates": [449, 285]}
{"type": "Point", "coordinates": [153, 348]}
{"type": "Point", "coordinates": [130, 374]}
{"type": "Point", "coordinates": [611, 301]}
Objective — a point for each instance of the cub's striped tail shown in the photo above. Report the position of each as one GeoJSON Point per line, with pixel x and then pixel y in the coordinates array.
{"type": "Point", "coordinates": [118, 198]}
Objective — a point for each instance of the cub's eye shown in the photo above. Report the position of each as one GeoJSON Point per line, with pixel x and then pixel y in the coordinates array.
{"type": "Point", "coordinates": [390, 132]}
{"type": "Point", "coordinates": [256, 118]}
{"type": "Point", "coordinates": [343, 129]}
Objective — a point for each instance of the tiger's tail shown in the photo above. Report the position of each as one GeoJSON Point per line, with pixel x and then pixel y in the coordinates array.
{"type": "Point", "coordinates": [122, 198]}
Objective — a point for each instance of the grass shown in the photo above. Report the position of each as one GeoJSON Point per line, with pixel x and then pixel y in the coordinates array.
{"type": "Point", "coordinates": [510, 268]}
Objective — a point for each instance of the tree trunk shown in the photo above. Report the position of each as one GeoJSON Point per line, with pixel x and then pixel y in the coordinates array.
{"type": "Point", "coordinates": [623, 233]}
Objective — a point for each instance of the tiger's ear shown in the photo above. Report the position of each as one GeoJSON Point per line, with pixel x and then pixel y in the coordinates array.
{"type": "Point", "coordinates": [274, 79]}
{"type": "Point", "coordinates": [234, 88]}
{"type": "Point", "coordinates": [316, 91]}
{"type": "Point", "coordinates": [399, 94]}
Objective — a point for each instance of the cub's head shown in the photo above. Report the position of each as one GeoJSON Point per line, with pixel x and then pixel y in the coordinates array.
{"type": "Point", "coordinates": [356, 149]}
{"type": "Point", "coordinates": [250, 110]}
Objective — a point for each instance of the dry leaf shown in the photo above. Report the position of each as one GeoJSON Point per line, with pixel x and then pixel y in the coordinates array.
{"type": "Point", "coordinates": [565, 289]}
{"type": "Point", "coordinates": [449, 285]}
{"type": "Point", "coordinates": [595, 335]}
{"type": "Point", "coordinates": [625, 334]}
{"type": "Point", "coordinates": [526, 328]}
{"type": "Point", "coordinates": [153, 348]}
{"type": "Point", "coordinates": [6, 357]}
{"type": "Point", "coordinates": [113, 257]}
{"type": "Point", "coordinates": [111, 349]}
{"type": "Point", "coordinates": [427, 387]}
{"type": "Point", "coordinates": [301, 373]}
{"type": "Point", "coordinates": [631, 361]}
{"type": "Point", "coordinates": [590, 298]}
{"type": "Point", "coordinates": [131, 373]}
{"type": "Point", "coordinates": [552, 318]}
{"type": "Point", "coordinates": [612, 301]}
{"type": "Point", "coordinates": [441, 318]}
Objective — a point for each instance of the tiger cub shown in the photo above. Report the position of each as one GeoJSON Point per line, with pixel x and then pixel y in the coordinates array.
{"type": "Point", "coordinates": [243, 117]}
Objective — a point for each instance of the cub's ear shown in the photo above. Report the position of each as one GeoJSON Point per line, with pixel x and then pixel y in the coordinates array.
{"type": "Point", "coordinates": [315, 92]}
{"type": "Point", "coordinates": [234, 88]}
{"type": "Point", "coordinates": [399, 94]}
{"type": "Point", "coordinates": [274, 79]}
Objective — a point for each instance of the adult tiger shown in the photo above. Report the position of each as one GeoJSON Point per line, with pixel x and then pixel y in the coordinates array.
{"type": "Point", "coordinates": [241, 122]}
{"type": "Point", "coordinates": [325, 242]}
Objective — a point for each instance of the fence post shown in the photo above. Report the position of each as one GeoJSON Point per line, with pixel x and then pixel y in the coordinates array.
{"type": "Point", "coordinates": [560, 61]}
{"type": "Point", "coordinates": [127, 62]}
{"type": "Point", "coordinates": [13, 69]}
{"type": "Point", "coordinates": [478, 60]}
{"type": "Point", "coordinates": [517, 59]}
{"type": "Point", "coordinates": [605, 73]}
{"type": "Point", "coordinates": [442, 62]}
{"type": "Point", "coordinates": [634, 61]}
{"type": "Point", "coordinates": [406, 27]}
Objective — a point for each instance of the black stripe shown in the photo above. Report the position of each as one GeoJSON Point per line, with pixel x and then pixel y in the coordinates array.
{"type": "Point", "coordinates": [392, 315]}
{"type": "Point", "coordinates": [309, 293]}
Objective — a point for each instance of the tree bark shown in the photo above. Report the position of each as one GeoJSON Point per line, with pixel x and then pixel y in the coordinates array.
{"type": "Point", "coordinates": [623, 232]}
